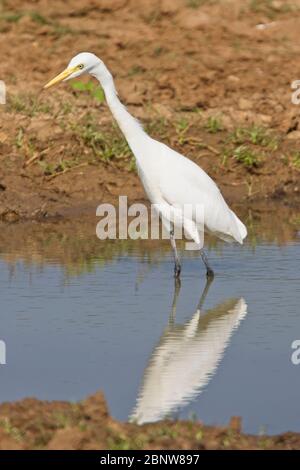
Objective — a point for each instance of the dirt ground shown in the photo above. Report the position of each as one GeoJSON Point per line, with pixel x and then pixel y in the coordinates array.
{"type": "Point", "coordinates": [34, 424]}
{"type": "Point", "coordinates": [210, 78]}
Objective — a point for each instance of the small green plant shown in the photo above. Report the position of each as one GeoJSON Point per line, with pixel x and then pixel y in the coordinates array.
{"type": "Point", "coordinates": [132, 166]}
{"type": "Point", "coordinates": [261, 136]}
{"type": "Point", "coordinates": [255, 135]}
{"type": "Point", "coordinates": [159, 50]}
{"type": "Point", "coordinates": [66, 108]}
{"type": "Point", "coordinates": [18, 104]}
{"type": "Point", "coordinates": [157, 127]}
{"type": "Point", "coordinates": [50, 169]}
{"type": "Point", "coordinates": [296, 160]}
{"type": "Point", "coordinates": [61, 420]}
{"type": "Point", "coordinates": [38, 18]}
{"type": "Point", "coordinates": [198, 3]}
{"type": "Point", "coordinates": [28, 105]}
{"type": "Point", "coordinates": [11, 17]}
{"type": "Point", "coordinates": [20, 138]}
{"type": "Point", "coordinates": [134, 70]}
{"type": "Point", "coordinates": [182, 127]}
{"type": "Point", "coordinates": [93, 90]}
{"type": "Point", "coordinates": [10, 429]}
{"type": "Point", "coordinates": [105, 145]}
{"type": "Point", "coordinates": [271, 7]}
{"type": "Point", "coordinates": [57, 28]}
{"type": "Point", "coordinates": [120, 443]}
{"type": "Point", "coordinates": [245, 155]}
{"type": "Point", "coordinates": [199, 436]}
{"type": "Point", "coordinates": [214, 124]}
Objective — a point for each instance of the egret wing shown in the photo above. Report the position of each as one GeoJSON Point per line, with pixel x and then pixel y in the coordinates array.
{"type": "Point", "coordinates": [183, 182]}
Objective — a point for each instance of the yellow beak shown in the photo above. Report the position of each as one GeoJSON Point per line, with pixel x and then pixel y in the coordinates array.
{"type": "Point", "coordinates": [62, 76]}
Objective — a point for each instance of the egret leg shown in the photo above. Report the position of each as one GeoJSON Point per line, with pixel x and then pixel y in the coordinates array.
{"type": "Point", "coordinates": [209, 271]}
{"type": "Point", "coordinates": [172, 316]}
{"type": "Point", "coordinates": [209, 280]}
{"type": "Point", "coordinates": [177, 267]}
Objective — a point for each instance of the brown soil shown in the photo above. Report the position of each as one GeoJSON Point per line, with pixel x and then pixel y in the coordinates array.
{"type": "Point", "coordinates": [35, 424]}
{"type": "Point", "coordinates": [198, 73]}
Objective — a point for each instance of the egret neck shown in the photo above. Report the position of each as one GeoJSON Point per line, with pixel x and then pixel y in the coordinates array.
{"type": "Point", "coordinates": [131, 128]}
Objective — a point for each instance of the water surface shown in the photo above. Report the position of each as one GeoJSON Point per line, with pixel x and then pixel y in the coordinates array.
{"type": "Point", "coordinates": [78, 315]}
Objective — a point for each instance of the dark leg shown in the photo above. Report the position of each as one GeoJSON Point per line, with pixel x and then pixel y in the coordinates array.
{"type": "Point", "coordinates": [177, 267]}
{"type": "Point", "coordinates": [209, 271]}
{"type": "Point", "coordinates": [205, 291]}
{"type": "Point", "coordinates": [177, 286]}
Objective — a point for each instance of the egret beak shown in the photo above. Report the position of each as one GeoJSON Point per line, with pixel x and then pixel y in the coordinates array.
{"type": "Point", "coordinates": [62, 76]}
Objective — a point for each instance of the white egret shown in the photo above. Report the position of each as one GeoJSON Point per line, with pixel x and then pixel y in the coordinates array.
{"type": "Point", "coordinates": [171, 181]}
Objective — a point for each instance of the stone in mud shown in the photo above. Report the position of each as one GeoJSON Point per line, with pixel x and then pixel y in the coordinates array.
{"type": "Point", "coordinates": [294, 135]}
{"type": "Point", "coordinates": [194, 20]}
{"type": "Point", "coordinates": [66, 439]}
{"type": "Point", "coordinates": [169, 7]}
{"type": "Point", "coordinates": [245, 104]}
{"type": "Point", "coordinates": [10, 216]}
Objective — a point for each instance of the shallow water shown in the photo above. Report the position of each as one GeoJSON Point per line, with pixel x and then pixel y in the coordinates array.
{"type": "Point", "coordinates": [78, 315]}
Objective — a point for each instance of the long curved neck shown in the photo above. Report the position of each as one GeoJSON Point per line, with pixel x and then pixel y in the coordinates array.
{"type": "Point", "coordinates": [130, 127]}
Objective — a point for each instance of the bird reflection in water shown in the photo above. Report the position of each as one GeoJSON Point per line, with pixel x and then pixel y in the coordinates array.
{"type": "Point", "coordinates": [186, 357]}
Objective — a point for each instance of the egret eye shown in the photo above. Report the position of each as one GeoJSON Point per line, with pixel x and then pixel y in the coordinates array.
{"type": "Point", "coordinates": [80, 66]}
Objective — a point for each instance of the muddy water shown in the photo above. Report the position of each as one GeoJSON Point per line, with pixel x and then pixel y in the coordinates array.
{"type": "Point", "coordinates": [78, 315]}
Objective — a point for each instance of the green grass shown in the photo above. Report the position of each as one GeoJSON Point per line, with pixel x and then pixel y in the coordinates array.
{"type": "Point", "coordinates": [50, 169]}
{"type": "Point", "coordinates": [247, 157]}
{"type": "Point", "coordinates": [296, 160]}
{"type": "Point", "coordinates": [199, 436]}
{"type": "Point", "coordinates": [14, 17]}
{"type": "Point", "coordinates": [11, 430]}
{"type": "Point", "coordinates": [38, 18]}
{"type": "Point", "coordinates": [158, 51]}
{"type": "Point", "coordinates": [256, 135]}
{"type": "Point", "coordinates": [106, 145]}
{"type": "Point", "coordinates": [198, 3]}
{"type": "Point", "coordinates": [61, 420]}
{"type": "Point", "coordinates": [135, 70]}
{"type": "Point", "coordinates": [248, 145]}
{"type": "Point", "coordinates": [157, 128]}
{"type": "Point", "coordinates": [11, 17]}
{"type": "Point", "coordinates": [271, 7]}
{"type": "Point", "coordinates": [20, 138]}
{"type": "Point", "coordinates": [122, 442]}
{"type": "Point", "coordinates": [214, 124]}
{"type": "Point", "coordinates": [91, 88]}
{"type": "Point", "coordinates": [132, 166]}
{"type": "Point", "coordinates": [181, 127]}
{"type": "Point", "coordinates": [28, 104]}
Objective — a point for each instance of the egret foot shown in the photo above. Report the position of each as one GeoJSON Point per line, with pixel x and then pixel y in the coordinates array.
{"type": "Point", "coordinates": [210, 274]}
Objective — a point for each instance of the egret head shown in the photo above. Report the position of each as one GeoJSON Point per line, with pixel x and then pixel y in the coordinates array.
{"type": "Point", "coordinates": [85, 62]}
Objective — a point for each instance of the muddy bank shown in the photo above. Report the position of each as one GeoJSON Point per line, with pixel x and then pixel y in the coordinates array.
{"type": "Point", "coordinates": [35, 424]}
{"type": "Point", "coordinates": [199, 75]}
